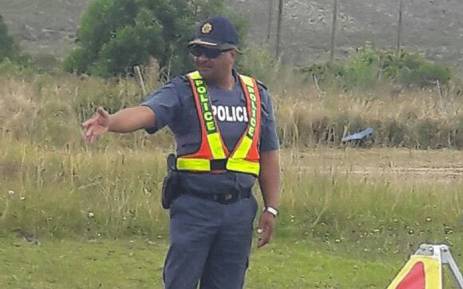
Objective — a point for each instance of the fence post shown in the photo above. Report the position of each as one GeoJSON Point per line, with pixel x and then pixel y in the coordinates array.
{"type": "Point", "coordinates": [399, 28]}
{"type": "Point", "coordinates": [269, 23]}
{"type": "Point", "coordinates": [279, 20]}
{"type": "Point", "coordinates": [333, 30]}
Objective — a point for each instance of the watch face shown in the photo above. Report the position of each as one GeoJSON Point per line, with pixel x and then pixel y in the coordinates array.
{"type": "Point", "coordinates": [272, 211]}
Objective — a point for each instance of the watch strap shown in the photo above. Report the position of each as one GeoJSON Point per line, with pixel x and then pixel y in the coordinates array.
{"type": "Point", "coordinates": [271, 210]}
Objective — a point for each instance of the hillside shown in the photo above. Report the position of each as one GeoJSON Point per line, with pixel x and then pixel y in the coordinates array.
{"type": "Point", "coordinates": [43, 26]}
{"type": "Point", "coordinates": [432, 27]}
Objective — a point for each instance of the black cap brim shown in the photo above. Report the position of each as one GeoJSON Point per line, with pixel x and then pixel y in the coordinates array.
{"type": "Point", "coordinates": [205, 42]}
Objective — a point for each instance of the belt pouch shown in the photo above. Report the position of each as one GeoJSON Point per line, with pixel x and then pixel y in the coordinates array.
{"type": "Point", "coordinates": [171, 183]}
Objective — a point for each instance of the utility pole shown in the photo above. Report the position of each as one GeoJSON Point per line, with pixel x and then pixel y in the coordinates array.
{"type": "Point", "coordinates": [333, 30]}
{"type": "Point", "coordinates": [399, 28]}
{"type": "Point", "coordinates": [279, 20]}
{"type": "Point", "coordinates": [269, 23]}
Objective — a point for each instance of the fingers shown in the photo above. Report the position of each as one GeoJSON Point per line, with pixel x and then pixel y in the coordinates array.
{"type": "Point", "coordinates": [93, 132]}
{"type": "Point", "coordinates": [265, 235]}
{"type": "Point", "coordinates": [265, 229]}
{"type": "Point", "coordinates": [89, 122]}
{"type": "Point", "coordinates": [264, 238]}
{"type": "Point", "coordinates": [100, 113]}
{"type": "Point", "coordinates": [89, 135]}
{"type": "Point", "coordinates": [93, 125]}
{"type": "Point", "coordinates": [93, 138]}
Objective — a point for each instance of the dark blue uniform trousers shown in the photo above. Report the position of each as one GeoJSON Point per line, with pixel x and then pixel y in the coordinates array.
{"type": "Point", "coordinates": [209, 243]}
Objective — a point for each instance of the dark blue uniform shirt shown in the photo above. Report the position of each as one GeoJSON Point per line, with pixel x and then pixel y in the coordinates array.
{"type": "Point", "coordinates": [174, 106]}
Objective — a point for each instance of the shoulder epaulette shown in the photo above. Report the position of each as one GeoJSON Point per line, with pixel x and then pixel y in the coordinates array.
{"type": "Point", "coordinates": [260, 83]}
{"type": "Point", "coordinates": [179, 79]}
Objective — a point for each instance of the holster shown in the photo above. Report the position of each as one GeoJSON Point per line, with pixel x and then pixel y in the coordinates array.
{"type": "Point", "coordinates": [171, 185]}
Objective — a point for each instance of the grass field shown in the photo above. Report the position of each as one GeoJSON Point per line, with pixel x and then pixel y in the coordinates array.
{"type": "Point", "coordinates": [137, 263]}
{"type": "Point", "coordinates": [78, 216]}
{"type": "Point", "coordinates": [349, 217]}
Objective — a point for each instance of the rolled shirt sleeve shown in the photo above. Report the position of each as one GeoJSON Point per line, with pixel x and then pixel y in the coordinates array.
{"type": "Point", "coordinates": [268, 136]}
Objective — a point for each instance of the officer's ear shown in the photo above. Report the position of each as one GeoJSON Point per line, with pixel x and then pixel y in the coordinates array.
{"type": "Point", "coordinates": [234, 54]}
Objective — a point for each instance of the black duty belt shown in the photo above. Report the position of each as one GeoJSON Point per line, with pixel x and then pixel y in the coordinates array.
{"type": "Point", "coordinates": [225, 199]}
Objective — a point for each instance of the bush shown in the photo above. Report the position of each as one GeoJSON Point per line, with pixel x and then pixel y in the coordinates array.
{"type": "Point", "coordinates": [260, 63]}
{"type": "Point", "coordinates": [368, 66]}
{"type": "Point", "coordinates": [116, 35]}
{"type": "Point", "coordinates": [426, 74]}
{"type": "Point", "coordinates": [17, 67]}
{"type": "Point", "coordinates": [362, 70]}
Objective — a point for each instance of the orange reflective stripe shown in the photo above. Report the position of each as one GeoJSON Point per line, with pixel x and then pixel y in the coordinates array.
{"type": "Point", "coordinates": [211, 142]}
{"type": "Point", "coordinates": [247, 151]}
{"type": "Point", "coordinates": [254, 107]}
{"type": "Point", "coordinates": [204, 149]}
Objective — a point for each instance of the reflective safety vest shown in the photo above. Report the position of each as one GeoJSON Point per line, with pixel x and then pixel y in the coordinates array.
{"type": "Point", "coordinates": [213, 155]}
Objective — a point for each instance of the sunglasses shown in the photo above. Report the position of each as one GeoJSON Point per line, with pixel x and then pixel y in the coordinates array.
{"type": "Point", "coordinates": [211, 53]}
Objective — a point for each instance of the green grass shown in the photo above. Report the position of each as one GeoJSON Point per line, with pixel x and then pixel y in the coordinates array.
{"type": "Point", "coordinates": [79, 264]}
{"type": "Point", "coordinates": [286, 263]}
{"type": "Point", "coordinates": [349, 218]}
{"type": "Point", "coordinates": [137, 263]}
{"type": "Point", "coordinates": [303, 264]}
{"type": "Point", "coordinates": [115, 193]}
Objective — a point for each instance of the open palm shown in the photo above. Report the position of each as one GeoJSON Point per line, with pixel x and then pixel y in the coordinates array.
{"type": "Point", "coordinates": [97, 125]}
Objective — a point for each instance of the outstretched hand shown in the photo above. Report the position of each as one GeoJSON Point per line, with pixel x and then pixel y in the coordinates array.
{"type": "Point", "coordinates": [97, 125]}
{"type": "Point", "coordinates": [265, 229]}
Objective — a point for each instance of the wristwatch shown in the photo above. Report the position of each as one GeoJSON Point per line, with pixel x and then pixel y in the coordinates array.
{"type": "Point", "coordinates": [271, 210]}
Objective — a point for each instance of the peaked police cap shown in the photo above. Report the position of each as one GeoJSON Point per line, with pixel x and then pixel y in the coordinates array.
{"type": "Point", "coordinates": [217, 32]}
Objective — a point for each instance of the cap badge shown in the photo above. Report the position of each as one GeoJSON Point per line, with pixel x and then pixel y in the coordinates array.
{"type": "Point", "coordinates": [207, 28]}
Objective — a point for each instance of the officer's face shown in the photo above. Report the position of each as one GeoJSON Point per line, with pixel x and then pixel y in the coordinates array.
{"type": "Point", "coordinates": [213, 64]}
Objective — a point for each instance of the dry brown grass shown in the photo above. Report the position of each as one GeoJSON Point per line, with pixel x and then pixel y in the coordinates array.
{"type": "Point", "coordinates": [415, 118]}
{"type": "Point", "coordinates": [49, 109]}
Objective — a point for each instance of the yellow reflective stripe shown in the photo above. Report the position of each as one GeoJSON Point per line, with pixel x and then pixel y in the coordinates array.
{"type": "Point", "coordinates": [192, 164]}
{"type": "Point", "coordinates": [194, 75]}
{"type": "Point", "coordinates": [432, 272]}
{"type": "Point", "coordinates": [243, 166]}
{"type": "Point", "coordinates": [247, 80]}
{"type": "Point", "coordinates": [244, 146]}
{"type": "Point", "coordinates": [242, 151]}
{"type": "Point", "coordinates": [215, 143]}
{"type": "Point", "coordinates": [237, 161]}
{"type": "Point", "coordinates": [213, 135]}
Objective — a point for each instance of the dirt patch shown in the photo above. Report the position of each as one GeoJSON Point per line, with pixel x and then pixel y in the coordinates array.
{"type": "Point", "coordinates": [388, 165]}
{"type": "Point", "coordinates": [416, 174]}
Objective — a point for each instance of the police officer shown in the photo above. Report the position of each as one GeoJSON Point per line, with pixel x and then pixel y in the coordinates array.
{"type": "Point", "coordinates": [226, 139]}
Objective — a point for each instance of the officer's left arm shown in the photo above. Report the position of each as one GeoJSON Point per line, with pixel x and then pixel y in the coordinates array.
{"type": "Point", "coordinates": [269, 181]}
{"type": "Point", "coordinates": [269, 177]}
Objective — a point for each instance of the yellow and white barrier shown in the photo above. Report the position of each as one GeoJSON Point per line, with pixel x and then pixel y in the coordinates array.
{"type": "Point", "coordinates": [424, 269]}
